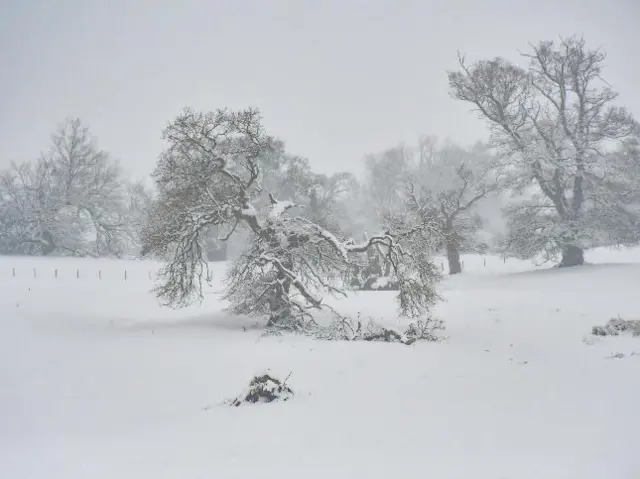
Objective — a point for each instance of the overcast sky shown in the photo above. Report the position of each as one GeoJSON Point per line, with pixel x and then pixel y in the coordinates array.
{"type": "Point", "coordinates": [334, 79]}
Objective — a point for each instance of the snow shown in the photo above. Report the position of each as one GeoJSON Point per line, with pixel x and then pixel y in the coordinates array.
{"type": "Point", "coordinates": [278, 208]}
{"type": "Point", "coordinates": [340, 246]}
{"type": "Point", "coordinates": [97, 381]}
{"type": "Point", "coordinates": [381, 282]}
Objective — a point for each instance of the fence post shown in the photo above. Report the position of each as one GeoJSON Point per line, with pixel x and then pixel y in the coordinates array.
{"type": "Point", "coordinates": [484, 260]}
{"type": "Point", "coordinates": [55, 273]}
{"type": "Point", "coordinates": [14, 272]}
{"type": "Point", "coordinates": [34, 273]}
{"type": "Point", "coordinates": [99, 274]}
{"type": "Point", "coordinates": [125, 274]}
{"type": "Point", "coordinates": [78, 273]}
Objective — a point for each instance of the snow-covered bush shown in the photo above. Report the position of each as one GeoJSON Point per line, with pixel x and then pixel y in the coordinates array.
{"type": "Point", "coordinates": [425, 330]}
{"type": "Point", "coordinates": [264, 389]}
{"type": "Point", "coordinates": [615, 326]}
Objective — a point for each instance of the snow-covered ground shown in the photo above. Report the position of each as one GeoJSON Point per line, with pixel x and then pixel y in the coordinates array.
{"type": "Point", "coordinates": [97, 381]}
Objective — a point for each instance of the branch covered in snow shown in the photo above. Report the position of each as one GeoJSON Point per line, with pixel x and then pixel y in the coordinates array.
{"type": "Point", "coordinates": [210, 177]}
{"type": "Point", "coordinates": [557, 129]}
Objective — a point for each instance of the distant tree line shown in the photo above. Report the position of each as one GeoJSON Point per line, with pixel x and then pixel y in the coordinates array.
{"type": "Point", "coordinates": [562, 164]}
{"type": "Point", "coordinates": [73, 201]}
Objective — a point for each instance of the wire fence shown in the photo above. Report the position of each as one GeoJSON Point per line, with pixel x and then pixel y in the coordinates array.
{"type": "Point", "coordinates": [137, 272]}
{"type": "Point", "coordinates": [124, 274]}
{"type": "Point", "coordinates": [77, 273]}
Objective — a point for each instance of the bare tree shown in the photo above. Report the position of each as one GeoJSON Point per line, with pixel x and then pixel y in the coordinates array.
{"type": "Point", "coordinates": [445, 189]}
{"type": "Point", "coordinates": [138, 208]}
{"type": "Point", "coordinates": [209, 176]}
{"type": "Point", "coordinates": [29, 209]}
{"type": "Point", "coordinates": [322, 196]}
{"type": "Point", "coordinates": [386, 175]}
{"type": "Point", "coordinates": [555, 124]}
{"type": "Point", "coordinates": [439, 186]}
{"type": "Point", "coordinates": [91, 188]}
{"type": "Point", "coordinates": [70, 201]}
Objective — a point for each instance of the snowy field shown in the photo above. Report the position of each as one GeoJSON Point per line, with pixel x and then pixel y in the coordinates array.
{"type": "Point", "coordinates": [97, 381]}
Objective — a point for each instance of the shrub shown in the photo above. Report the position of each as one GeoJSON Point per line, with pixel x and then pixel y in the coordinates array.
{"type": "Point", "coordinates": [615, 326]}
{"type": "Point", "coordinates": [264, 389]}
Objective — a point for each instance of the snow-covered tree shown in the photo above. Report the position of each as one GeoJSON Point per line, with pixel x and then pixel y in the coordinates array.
{"type": "Point", "coordinates": [440, 186]}
{"type": "Point", "coordinates": [323, 197]}
{"type": "Point", "coordinates": [445, 187]}
{"type": "Point", "coordinates": [386, 174]}
{"type": "Point", "coordinates": [555, 124]}
{"type": "Point", "coordinates": [28, 209]}
{"type": "Point", "coordinates": [90, 191]}
{"type": "Point", "coordinates": [381, 201]}
{"type": "Point", "coordinates": [616, 194]}
{"type": "Point", "coordinates": [140, 200]}
{"type": "Point", "coordinates": [210, 177]}
{"type": "Point", "coordinates": [71, 201]}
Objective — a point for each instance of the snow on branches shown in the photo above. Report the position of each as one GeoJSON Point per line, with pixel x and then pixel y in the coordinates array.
{"type": "Point", "coordinates": [210, 177]}
{"type": "Point", "coordinates": [556, 126]}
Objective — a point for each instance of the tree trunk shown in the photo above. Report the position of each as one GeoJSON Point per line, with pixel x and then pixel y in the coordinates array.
{"type": "Point", "coordinates": [453, 257]}
{"type": "Point", "coordinates": [280, 311]}
{"type": "Point", "coordinates": [572, 256]}
{"type": "Point", "coordinates": [49, 246]}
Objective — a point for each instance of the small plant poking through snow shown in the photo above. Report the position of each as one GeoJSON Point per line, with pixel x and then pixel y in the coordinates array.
{"type": "Point", "coordinates": [264, 389]}
{"type": "Point", "coordinates": [425, 330]}
{"type": "Point", "coordinates": [615, 326]}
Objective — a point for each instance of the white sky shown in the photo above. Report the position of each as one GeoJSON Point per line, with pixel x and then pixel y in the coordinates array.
{"type": "Point", "coordinates": [335, 79]}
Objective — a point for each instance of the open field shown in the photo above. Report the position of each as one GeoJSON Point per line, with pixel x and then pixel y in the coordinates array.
{"type": "Point", "coordinates": [98, 381]}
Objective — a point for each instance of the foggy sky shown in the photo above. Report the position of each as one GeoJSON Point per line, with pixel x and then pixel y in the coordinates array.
{"type": "Point", "coordinates": [334, 79]}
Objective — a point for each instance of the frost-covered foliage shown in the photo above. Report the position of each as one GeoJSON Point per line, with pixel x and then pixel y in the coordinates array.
{"type": "Point", "coordinates": [354, 329]}
{"type": "Point", "coordinates": [373, 272]}
{"type": "Point", "coordinates": [291, 263]}
{"type": "Point", "coordinates": [264, 389]}
{"type": "Point", "coordinates": [556, 127]}
{"type": "Point", "coordinates": [616, 326]}
{"type": "Point", "coordinates": [446, 189]}
{"type": "Point", "coordinates": [324, 199]}
{"type": "Point", "coordinates": [71, 201]}
{"type": "Point", "coordinates": [210, 177]}
{"type": "Point", "coordinates": [438, 186]}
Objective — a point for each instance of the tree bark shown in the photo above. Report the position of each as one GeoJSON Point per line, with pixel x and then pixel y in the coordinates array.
{"type": "Point", "coordinates": [453, 257]}
{"type": "Point", "coordinates": [280, 310]}
{"type": "Point", "coordinates": [453, 248]}
{"type": "Point", "coordinates": [572, 256]}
